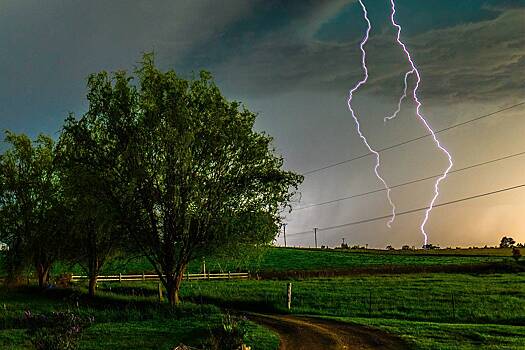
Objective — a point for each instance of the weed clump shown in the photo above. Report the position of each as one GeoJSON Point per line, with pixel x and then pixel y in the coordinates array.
{"type": "Point", "coordinates": [55, 331]}
{"type": "Point", "coordinates": [230, 335]}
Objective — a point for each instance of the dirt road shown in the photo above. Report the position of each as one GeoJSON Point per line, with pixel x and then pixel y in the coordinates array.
{"type": "Point", "coordinates": [310, 333]}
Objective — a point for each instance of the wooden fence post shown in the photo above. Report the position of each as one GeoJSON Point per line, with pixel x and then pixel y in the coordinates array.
{"type": "Point", "coordinates": [453, 307]}
{"type": "Point", "coordinates": [120, 277]}
{"type": "Point", "coordinates": [229, 275]}
{"type": "Point", "coordinates": [289, 296]}
{"type": "Point", "coordinates": [143, 276]}
{"type": "Point", "coordinates": [160, 293]}
{"type": "Point", "coordinates": [369, 302]}
{"type": "Point", "coordinates": [187, 275]}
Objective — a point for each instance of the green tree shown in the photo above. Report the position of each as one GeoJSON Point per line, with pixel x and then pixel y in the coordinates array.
{"type": "Point", "coordinates": [30, 210]}
{"type": "Point", "coordinates": [89, 157]}
{"type": "Point", "coordinates": [202, 179]}
{"type": "Point", "coordinates": [187, 172]}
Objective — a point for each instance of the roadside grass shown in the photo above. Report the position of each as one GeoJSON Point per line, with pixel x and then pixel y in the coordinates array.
{"type": "Point", "coordinates": [449, 336]}
{"type": "Point", "coordinates": [121, 321]}
{"type": "Point", "coordinates": [489, 310]}
{"type": "Point", "coordinates": [261, 337]}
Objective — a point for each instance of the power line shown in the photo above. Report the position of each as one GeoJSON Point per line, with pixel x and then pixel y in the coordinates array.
{"type": "Point", "coordinates": [413, 140]}
{"type": "Point", "coordinates": [410, 182]}
{"type": "Point", "coordinates": [409, 211]}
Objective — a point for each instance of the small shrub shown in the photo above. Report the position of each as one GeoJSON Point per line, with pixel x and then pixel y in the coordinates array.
{"type": "Point", "coordinates": [516, 254]}
{"type": "Point", "coordinates": [230, 336]}
{"type": "Point", "coordinates": [55, 331]}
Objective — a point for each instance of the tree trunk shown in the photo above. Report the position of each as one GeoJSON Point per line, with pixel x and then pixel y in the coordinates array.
{"type": "Point", "coordinates": [93, 271]}
{"type": "Point", "coordinates": [42, 270]}
{"type": "Point", "coordinates": [92, 285]}
{"type": "Point", "coordinates": [173, 287]}
{"type": "Point", "coordinates": [14, 266]}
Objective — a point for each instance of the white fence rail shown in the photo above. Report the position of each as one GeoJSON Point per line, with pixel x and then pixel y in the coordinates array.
{"type": "Point", "coordinates": [147, 277]}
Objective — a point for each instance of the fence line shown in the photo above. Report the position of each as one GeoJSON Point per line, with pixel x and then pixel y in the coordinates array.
{"type": "Point", "coordinates": [154, 277]}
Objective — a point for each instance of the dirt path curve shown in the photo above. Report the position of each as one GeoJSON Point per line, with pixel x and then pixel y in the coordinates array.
{"type": "Point", "coordinates": [309, 333]}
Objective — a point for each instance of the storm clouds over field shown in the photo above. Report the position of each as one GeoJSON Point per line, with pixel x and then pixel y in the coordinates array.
{"type": "Point", "coordinates": [293, 62]}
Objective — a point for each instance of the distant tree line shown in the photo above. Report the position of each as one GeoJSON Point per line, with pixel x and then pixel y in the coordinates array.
{"type": "Point", "coordinates": [509, 242]}
{"type": "Point", "coordinates": [158, 165]}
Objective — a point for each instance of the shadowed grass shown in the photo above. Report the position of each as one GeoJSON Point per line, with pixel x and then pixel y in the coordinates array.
{"type": "Point", "coordinates": [121, 321]}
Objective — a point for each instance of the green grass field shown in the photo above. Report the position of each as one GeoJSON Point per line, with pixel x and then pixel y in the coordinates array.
{"type": "Point", "coordinates": [429, 310]}
{"type": "Point", "coordinates": [433, 297]}
{"type": "Point", "coordinates": [294, 259]}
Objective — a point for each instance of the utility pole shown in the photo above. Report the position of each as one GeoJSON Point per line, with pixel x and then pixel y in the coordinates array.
{"type": "Point", "coordinates": [284, 232]}
{"type": "Point", "coordinates": [315, 236]}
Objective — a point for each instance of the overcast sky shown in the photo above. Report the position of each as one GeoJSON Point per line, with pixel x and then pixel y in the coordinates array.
{"type": "Point", "coordinates": [293, 62]}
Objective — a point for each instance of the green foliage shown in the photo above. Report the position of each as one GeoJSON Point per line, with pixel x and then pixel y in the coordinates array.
{"type": "Point", "coordinates": [91, 174]}
{"type": "Point", "coordinates": [30, 205]}
{"type": "Point", "coordinates": [176, 166]}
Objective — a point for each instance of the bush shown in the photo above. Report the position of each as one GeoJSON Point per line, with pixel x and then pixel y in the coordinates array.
{"type": "Point", "coordinates": [230, 336]}
{"type": "Point", "coordinates": [516, 254]}
{"type": "Point", "coordinates": [55, 331]}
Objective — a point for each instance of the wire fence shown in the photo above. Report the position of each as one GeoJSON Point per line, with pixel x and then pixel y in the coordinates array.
{"type": "Point", "coordinates": [411, 302]}
{"type": "Point", "coordinates": [420, 305]}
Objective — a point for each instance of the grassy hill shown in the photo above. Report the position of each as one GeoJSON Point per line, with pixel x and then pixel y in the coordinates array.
{"type": "Point", "coordinates": [296, 259]}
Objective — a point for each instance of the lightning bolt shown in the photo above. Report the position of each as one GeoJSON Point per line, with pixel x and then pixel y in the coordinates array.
{"type": "Point", "coordinates": [421, 117]}
{"type": "Point", "coordinates": [358, 126]}
{"type": "Point", "coordinates": [396, 112]}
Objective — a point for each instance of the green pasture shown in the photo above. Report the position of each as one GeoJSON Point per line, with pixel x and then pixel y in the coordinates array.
{"type": "Point", "coordinates": [430, 311]}
{"type": "Point", "coordinates": [293, 259]}
{"type": "Point", "coordinates": [492, 298]}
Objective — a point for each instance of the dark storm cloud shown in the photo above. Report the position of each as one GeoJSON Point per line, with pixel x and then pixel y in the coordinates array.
{"type": "Point", "coordinates": [294, 61]}
{"type": "Point", "coordinates": [472, 60]}
{"type": "Point", "coordinates": [49, 48]}
{"type": "Point", "coordinates": [254, 48]}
